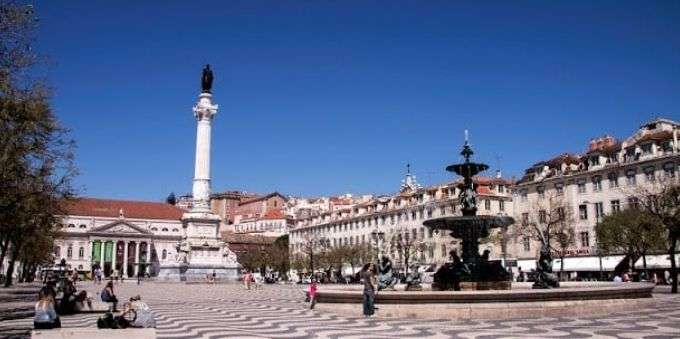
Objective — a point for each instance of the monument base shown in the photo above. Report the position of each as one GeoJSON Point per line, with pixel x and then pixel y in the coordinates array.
{"type": "Point", "coordinates": [197, 272]}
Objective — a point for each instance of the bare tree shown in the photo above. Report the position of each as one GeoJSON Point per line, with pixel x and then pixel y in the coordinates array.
{"type": "Point", "coordinates": [551, 223]}
{"type": "Point", "coordinates": [405, 244]}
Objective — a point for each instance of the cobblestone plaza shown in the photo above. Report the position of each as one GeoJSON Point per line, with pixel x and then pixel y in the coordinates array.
{"type": "Point", "coordinates": [279, 311]}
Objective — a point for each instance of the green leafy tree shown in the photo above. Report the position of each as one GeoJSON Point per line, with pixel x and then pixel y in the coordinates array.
{"type": "Point", "coordinates": [36, 155]}
{"type": "Point", "coordinates": [662, 201]}
{"type": "Point", "coordinates": [631, 231]}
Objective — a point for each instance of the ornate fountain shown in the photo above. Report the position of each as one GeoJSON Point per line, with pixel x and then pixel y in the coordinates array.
{"type": "Point", "coordinates": [471, 270]}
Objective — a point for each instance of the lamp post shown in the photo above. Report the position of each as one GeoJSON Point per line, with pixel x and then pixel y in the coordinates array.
{"type": "Point", "coordinates": [377, 236]}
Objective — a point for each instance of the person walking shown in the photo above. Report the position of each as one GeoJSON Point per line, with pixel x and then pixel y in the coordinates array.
{"type": "Point", "coordinates": [370, 288]}
{"type": "Point", "coordinates": [312, 294]}
{"type": "Point", "coordinates": [247, 279]}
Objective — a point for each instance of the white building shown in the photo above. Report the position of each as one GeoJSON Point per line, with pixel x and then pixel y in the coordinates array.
{"type": "Point", "coordinates": [118, 234]}
{"type": "Point", "coordinates": [593, 184]}
{"type": "Point", "coordinates": [402, 213]}
{"type": "Point", "coordinates": [272, 224]}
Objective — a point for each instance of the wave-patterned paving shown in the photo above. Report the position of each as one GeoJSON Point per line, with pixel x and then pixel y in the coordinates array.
{"type": "Point", "coordinates": [278, 311]}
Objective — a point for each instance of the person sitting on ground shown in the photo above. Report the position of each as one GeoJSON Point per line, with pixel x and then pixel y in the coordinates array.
{"type": "Point", "coordinates": [82, 302]}
{"type": "Point", "coordinates": [143, 316]}
{"type": "Point", "coordinates": [45, 315]}
{"type": "Point", "coordinates": [617, 279]}
{"type": "Point", "coordinates": [67, 304]}
{"type": "Point", "coordinates": [108, 296]}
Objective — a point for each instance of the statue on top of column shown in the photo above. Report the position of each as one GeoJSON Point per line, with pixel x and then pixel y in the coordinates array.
{"type": "Point", "coordinates": [206, 79]}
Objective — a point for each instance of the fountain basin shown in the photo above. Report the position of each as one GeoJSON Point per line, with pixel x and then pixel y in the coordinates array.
{"type": "Point", "coordinates": [572, 299]}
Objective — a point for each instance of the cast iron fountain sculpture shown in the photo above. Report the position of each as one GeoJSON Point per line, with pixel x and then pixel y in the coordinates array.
{"type": "Point", "coordinates": [470, 227]}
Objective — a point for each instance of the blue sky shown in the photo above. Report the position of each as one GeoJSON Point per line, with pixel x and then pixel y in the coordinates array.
{"type": "Point", "coordinates": [327, 97]}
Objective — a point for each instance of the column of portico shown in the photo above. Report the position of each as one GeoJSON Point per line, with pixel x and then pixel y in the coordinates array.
{"type": "Point", "coordinates": [125, 259]}
{"type": "Point", "coordinates": [115, 254]}
{"type": "Point", "coordinates": [137, 245]}
{"type": "Point", "coordinates": [101, 254]}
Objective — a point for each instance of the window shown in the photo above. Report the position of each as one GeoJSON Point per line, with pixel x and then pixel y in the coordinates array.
{"type": "Point", "coordinates": [595, 160]}
{"type": "Point", "coordinates": [165, 229]}
{"type": "Point", "coordinates": [597, 183]}
{"type": "Point", "coordinates": [583, 212]}
{"type": "Point", "coordinates": [57, 251]}
{"type": "Point", "coordinates": [501, 188]}
{"type": "Point", "coordinates": [71, 226]}
{"type": "Point", "coordinates": [649, 173]}
{"type": "Point", "coordinates": [585, 239]}
{"type": "Point", "coordinates": [525, 219]}
{"type": "Point", "coordinates": [633, 202]}
{"type": "Point", "coordinates": [175, 230]}
{"type": "Point", "coordinates": [526, 242]}
{"type": "Point", "coordinates": [429, 213]}
{"type": "Point", "coordinates": [487, 204]}
{"type": "Point", "coordinates": [581, 186]}
{"type": "Point", "coordinates": [669, 170]}
{"type": "Point", "coordinates": [599, 211]}
{"type": "Point", "coordinates": [164, 254]}
{"type": "Point", "coordinates": [559, 188]}
{"type": "Point", "coordinates": [82, 226]}
{"type": "Point", "coordinates": [542, 217]}
{"type": "Point", "coordinates": [69, 252]}
{"type": "Point", "coordinates": [613, 179]}
{"type": "Point", "coordinates": [524, 195]}
{"type": "Point", "coordinates": [630, 177]}
{"type": "Point", "coordinates": [81, 252]}
{"type": "Point", "coordinates": [501, 205]}
{"type": "Point", "coordinates": [541, 191]}
{"type": "Point", "coordinates": [154, 229]}
{"type": "Point", "coordinates": [442, 210]}
{"type": "Point", "coordinates": [616, 206]}
{"type": "Point", "coordinates": [560, 213]}
{"type": "Point", "coordinates": [646, 148]}
{"type": "Point", "coordinates": [413, 215]}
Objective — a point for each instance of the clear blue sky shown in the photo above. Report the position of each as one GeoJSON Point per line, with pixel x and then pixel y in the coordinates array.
{"type": "Point", "coordinates": [326, 97]}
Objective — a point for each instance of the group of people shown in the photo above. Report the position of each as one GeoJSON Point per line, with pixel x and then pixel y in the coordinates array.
{"type": "Point", "coordinates": [49, 308]}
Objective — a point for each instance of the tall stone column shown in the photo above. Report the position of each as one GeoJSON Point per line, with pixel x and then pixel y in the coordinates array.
{"type": "Point", "coordinates": [137, 245]}
{"type": "Point", "coordinates": [204, 111]}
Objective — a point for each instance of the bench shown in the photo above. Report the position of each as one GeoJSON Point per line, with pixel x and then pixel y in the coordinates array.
{"type": "Point", "coordinates": [89, 333]}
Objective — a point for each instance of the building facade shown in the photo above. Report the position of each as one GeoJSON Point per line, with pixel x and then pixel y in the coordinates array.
{"type": "Point", "coordinates": [600, 181]}
{"type": "Point", "coordinates": [377, 221]}
{"type": "Point", "coordinates": [118, 235]}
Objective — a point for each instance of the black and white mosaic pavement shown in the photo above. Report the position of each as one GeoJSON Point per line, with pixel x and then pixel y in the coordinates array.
{"type": "Point", "coordinates": [278, 311]}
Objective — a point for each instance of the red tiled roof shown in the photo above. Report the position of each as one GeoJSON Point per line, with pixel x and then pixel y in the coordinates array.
{"type": "Point", "coordinates": [264, 197]}
{"type": "Point", "coordinates": [274, 214]}
{"type": "Point", "coordinates": [131, 209]}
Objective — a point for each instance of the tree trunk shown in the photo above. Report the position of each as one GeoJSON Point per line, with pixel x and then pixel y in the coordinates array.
{"type": "Point", "coordinates": [644, 261]}
{"type": "Point", "coordinates": [562, 265]}
{"type": "Point", "coordinates": [674, 267]}
{"type": "Point", "coordinates": [10, 267]}
{"type": "Point", "coordinates": [4, 245]}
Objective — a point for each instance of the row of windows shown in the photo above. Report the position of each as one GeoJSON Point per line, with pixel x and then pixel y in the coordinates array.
{"type": "Point", "coordinates": [612, 177]}
{"type": "Point", "coordinates": [396, 218]}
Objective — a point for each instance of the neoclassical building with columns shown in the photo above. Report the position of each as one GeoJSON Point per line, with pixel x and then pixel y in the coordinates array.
{"type": "Point", "coordinates": [118, 234]}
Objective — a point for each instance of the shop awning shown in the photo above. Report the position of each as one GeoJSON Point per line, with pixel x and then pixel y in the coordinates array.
{"type": "Point", "coordinates": [657, 261]}
{"type": "Point", "coordinates": [526, 264]}
{"type": "Point", "coordinates": [587, 264]}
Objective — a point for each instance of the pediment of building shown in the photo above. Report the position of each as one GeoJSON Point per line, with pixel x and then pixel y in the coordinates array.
{"type": "Point", "coordinates": [120, 227]}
